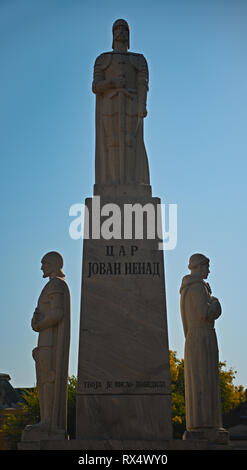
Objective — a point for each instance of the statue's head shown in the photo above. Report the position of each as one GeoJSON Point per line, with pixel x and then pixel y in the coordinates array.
{"type": "Point", "coordinates": [199, 264]}
{"type": "Point", "coordinates": [51, 265]}
{"type": "Point", "coordinates": [120, 31]}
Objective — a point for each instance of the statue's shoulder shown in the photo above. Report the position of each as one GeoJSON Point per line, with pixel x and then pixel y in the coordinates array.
{"type": "Point", "coordinates": [191, 282]}
{"type": "Point", "coordinates": [136, 54]}
{"type": "Point", "coordinates": [56, 285]}
{"type": "Point", "coordinates": [138, 60]}
{"type": "Point", "coordinates": [103, 60]}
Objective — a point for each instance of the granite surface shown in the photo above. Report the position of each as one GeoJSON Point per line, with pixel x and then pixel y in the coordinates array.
{"type": "Point", "coordinates": [123, 370]}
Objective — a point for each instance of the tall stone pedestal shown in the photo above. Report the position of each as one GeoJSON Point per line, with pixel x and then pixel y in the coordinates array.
{"type": "Point", "coordinates": [123, 371]}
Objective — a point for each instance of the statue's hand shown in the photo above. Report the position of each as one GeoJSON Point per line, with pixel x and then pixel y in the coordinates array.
{"type": "Point", "coordinates": [36, 319]}
{"type": "Point", "coordinates": [215, 307]}
{"type": "Point", "coordinates": [142, 108]}
{"type": "Point", "coordinates": [142, 113]}
{"type": "Point", "coordinates": [34, 324]}
{"type": "Point", "coordinates": [119, 82]}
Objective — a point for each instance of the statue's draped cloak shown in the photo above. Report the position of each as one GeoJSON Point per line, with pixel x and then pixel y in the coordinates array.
{"type": "Point", "coordinates": [203, 408]}
{"type": "Point", "coordinates": [106, 167]}
{"type": "Point", "coordinates": [60, 334]}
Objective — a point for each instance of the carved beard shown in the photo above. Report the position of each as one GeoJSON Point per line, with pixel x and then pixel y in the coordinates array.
{"type": "Point", "coordinates": [47, 274]}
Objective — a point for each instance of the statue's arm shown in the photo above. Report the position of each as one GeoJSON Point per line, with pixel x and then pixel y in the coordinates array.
{"type": "Point", "coordinates": [56, 314]}
{"type": "Point", "coordinates": [36, 319]}
{"type": "Point", "coordinates": [142, 84]}
{"type": "Point", "coordinates": [214, 308]}
{"type": "Point", "coordinates": [202, 302]}
{"type": "Point", "coordinates": [100, 84]}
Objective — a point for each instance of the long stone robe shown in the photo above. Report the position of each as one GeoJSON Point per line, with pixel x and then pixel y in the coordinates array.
{"type": "Point", "coordinates": [202, 394]}
{"type": "Point", "coordinates": [52, 353]}
{"type": "Point", "coordinates": [120, 155]}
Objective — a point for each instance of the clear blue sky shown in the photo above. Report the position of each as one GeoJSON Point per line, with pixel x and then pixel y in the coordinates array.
{"type": "Point", "coordinates": [195, 136]}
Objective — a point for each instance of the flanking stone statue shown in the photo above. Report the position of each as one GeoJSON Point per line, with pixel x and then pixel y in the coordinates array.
{"type": "Point", "coordinates": [51, 320]}
{"type": "Point", "coordinates": [120, 83]}
{"type": "Point", "coordinates": [199, 310]}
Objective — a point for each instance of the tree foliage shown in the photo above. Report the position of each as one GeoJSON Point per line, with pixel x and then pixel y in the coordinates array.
{"type": "Point", "coordinates": [28, 413]}
{"type": "Point", "coordinates": [15, 423]}
{"type": "Point", "coordinates": [178, 398]}
{"type": "Point", "coordinates": [231, 395]}
{"type": "Point", "coordinates": [72, 387]}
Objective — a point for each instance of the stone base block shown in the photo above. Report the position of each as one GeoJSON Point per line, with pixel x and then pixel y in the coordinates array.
{"type": "Point", "coordinates": [124, 389]}
{"type": "Point", "coordinates": [116, 190]}
{"type": "Point", "coordinates": [216, 436]}
{"type": "Point", "coordinates": [103, 444]}
{"type": "Point", "coordinates": [137, 417]}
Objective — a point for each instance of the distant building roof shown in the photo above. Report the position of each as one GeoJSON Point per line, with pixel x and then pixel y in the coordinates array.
{"type": "Point", "coordinates": [235, 421]}
{"type": "Point", "coordinates": [9, 397]}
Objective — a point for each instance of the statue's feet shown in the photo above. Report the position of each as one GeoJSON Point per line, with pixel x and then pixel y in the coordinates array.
{"type": "Point", "coordinates": [42, 431]}
{"type": "Point", "coordinates": [212, 435]}
{"type": "Point", "coordinates": [41, 426]}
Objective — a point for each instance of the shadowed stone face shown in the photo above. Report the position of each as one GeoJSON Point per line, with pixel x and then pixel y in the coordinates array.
{"type": "Point", "coordinates": [120, 32]}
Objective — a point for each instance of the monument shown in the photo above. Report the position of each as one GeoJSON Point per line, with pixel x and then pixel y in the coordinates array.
{"type": "Point", "coordinates": [199, 310]}
{"type": "Point", "coordinates": [123, 370]}
{"type": "Point", "coordinates": [51, 320]}
{"type": "Point", "coordinates": [124, 390]}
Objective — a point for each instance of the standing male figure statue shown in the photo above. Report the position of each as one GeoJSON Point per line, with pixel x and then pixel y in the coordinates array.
{"type": "Point", "coordinates": [199, 310]}
{"type": "Point", "coordinates": [51, 320]}
{"type": "Point", "coordinates": [120, 84]}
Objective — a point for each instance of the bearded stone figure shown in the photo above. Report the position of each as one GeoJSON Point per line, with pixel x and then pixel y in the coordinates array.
{"type": "Point", "coordinates": [199, 310]}
{"type": "Point", "coordinates": [120, 84]}
{"type": "Point", "coordinates": [51, 320]}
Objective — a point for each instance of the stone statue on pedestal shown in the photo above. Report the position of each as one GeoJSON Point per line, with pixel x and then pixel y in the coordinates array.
{"type": "Point", "coordinates": [120, 84]}
{"type": "Point", "coordinates": [51, 320]}
{"type": "Point", "coordinates": [199, 310]}
{"type": "Point", "coordinates": [124, 389]}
